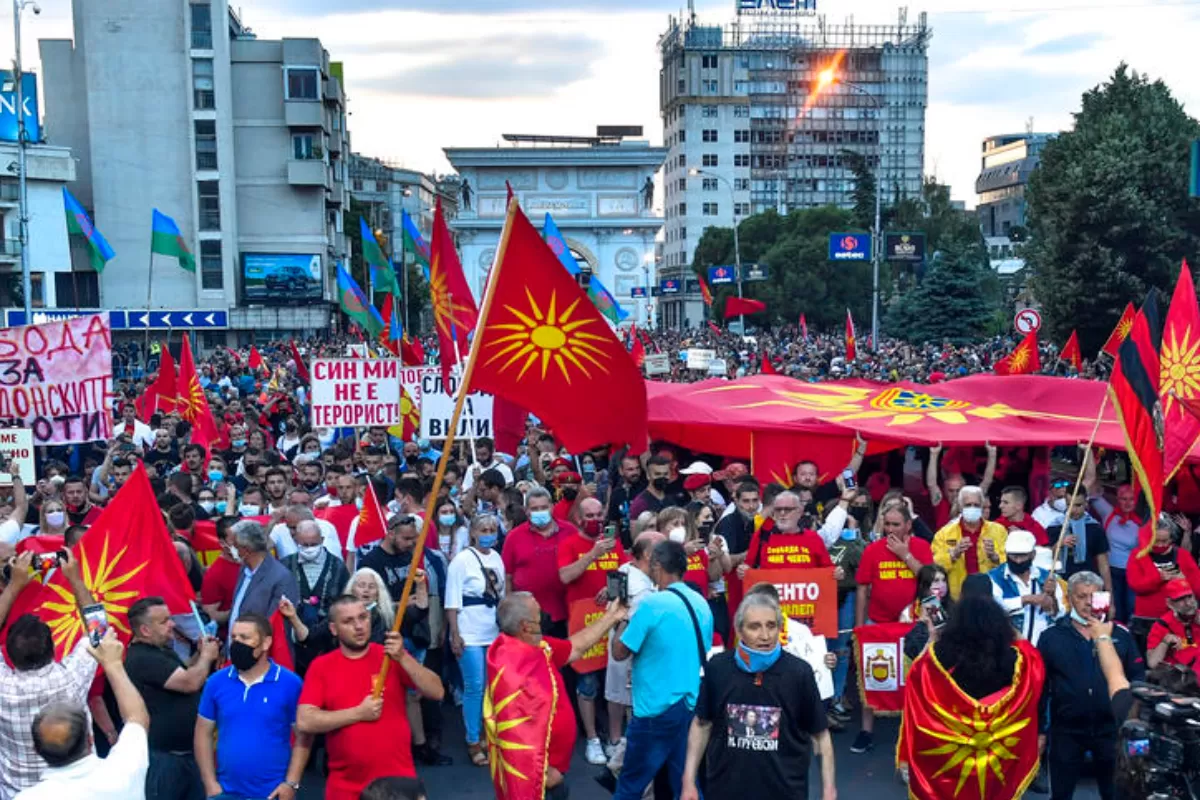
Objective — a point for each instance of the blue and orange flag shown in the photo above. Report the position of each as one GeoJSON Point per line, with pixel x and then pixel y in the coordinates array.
{"type": "Point", "coordinates": [454, 311]}
{"type": "Point", "coordinates": [78, 222]}
{"type": "Point", "coordinates": [1179, 374]}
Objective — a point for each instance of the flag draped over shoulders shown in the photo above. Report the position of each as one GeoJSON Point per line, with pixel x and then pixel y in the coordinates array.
{"type": "Point", "coordinates": [518, 712]}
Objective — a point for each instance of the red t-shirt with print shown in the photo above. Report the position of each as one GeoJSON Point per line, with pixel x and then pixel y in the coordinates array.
{"type": "Point", "coordinates": [893, 584]}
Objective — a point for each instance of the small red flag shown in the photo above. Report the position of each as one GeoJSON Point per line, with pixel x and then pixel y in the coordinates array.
{"type": "Point", "coordinates": [160, 395]}
{"type": "Point", "coordinates": [301, 369]}
{"type": "Point", "coordinates": [767, 367]}
{"type": "Point", "coordinates": [385, 335]}
{"type": "Point", "coordinates": [713, 326]}
{"type": "Point", "coordinates": [372, 521]}
{"type": "Point", "coordinates": [412, 354]}
{"type": "Point", "coordinates": [1023, 360]}
{"type": "Point", "coordinates": [1180, 373]}
{"type": "Point", "coordinates": [851, 340]}
{"type": "Point", "coordinates": [281, 653]}
{"type": "Point", "coordinates": [256, 359]}
{"type": "Point", "coordinates": [1120, 333]}
{"type": "Point", "coordinates": [737, 306]}
{"type": "Point", "coordinates": [638, 353]}
{"type": "Point", "coordinates": [803, 327]}
{"type": "Point", "coordinates": [705, 293]}
{"type": "Point", "coordinates": [453, 306]}
{"type": "Point", "coordinates": [1070, 352]}
{"type": "Point", "coordinates": [192, 403]}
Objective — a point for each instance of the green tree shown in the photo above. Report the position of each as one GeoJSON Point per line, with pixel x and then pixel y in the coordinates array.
{"type": "Point", "coordinates": [949, 302]}
{"type": "Point", "coordinates": [1109, 214]}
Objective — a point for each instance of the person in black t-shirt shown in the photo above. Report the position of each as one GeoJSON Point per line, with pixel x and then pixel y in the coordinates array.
{"type": "Point", "coordinates": [758, 716]}
{"type": "Point", "coordinates": [807, 476]}
{"type": "Point", "coordinates": [171, 690]}
{"type": "Point", "coordinates": [163, 453]}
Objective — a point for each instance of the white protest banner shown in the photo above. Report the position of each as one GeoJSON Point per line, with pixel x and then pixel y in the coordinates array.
{"type": "Point", "coordinates": [718, 368]}
{"type": "Point", "coordinates": [657, 363]}
{"type": "Point", "coordinates": [355, 392]}
{"type": "Point", "coordinates": [698, 358]}
{"type": "Point", "coordinates": [56, 379]}
{"type": "Point", "coordinates": [437, 405]}
{"type": "Point", "coordinates": [16, 447]}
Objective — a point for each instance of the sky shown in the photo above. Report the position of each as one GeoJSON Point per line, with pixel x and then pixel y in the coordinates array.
{"type": "Point", "coordinates": [421, 76]}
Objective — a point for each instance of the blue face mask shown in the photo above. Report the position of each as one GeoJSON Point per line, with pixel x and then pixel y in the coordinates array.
{"type": "Point", "coordinates": [221, 506]}
{"type": "Point", "coordinates": [540, 519]}
{"type": "Point", "coordinates": [215, 475]}
{"type": "Point", "coordinates": [238, 442]}
{"type": "Point", "coordinates": [1077, 617]}
{"type": "Point", "coordinates": [849, 534]}
{"type": "Point", "coordinates": [447, 519]}
{"type": "Point", "coordinates": [487, 540]}
{"type": "Point", "coordinates": [754, 661]}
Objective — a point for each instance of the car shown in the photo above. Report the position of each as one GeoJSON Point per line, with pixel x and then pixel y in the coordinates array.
{"type": "Point", "coordinates": [289, 277]}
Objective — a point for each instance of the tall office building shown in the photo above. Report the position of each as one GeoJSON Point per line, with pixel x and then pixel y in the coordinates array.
{"type": "Point", "coordinates": [176, 105]}
{"type": "Point", "coordinates": [749, 127]}
{"type": "Point", "coordinates": [1006, 164]}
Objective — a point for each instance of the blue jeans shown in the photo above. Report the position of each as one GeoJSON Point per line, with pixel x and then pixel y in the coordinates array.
{"type": "Point", "coordinates": [474, 667]}
{"type": "Point", "coordinates": [842, 646]}
{"type": "Point", "coordinates": [650, 743]}
{"type": "Point", "coordinates": [1123, 596]}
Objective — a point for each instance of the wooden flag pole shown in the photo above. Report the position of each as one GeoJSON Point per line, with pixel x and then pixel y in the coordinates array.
{"type": "Point", "coordinates": [1078, 481]}
{"type": "Point", "coordinates": [440, 476]}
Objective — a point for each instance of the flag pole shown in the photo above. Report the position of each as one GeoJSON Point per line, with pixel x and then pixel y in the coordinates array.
{"type": "Point", "coordinates": [149, 294]}
{"type": "Point", "coordinates": [1087, 453]}
{"type": "Point", "coordinates": [440, 476]}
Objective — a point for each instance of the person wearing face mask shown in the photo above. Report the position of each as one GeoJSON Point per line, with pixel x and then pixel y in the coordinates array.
{"type": "Point", "coordinates": [770, 702]}
{"type": "Point", "coordinates": [846, 551]}
{"type": "Point", "coordinates": [531, 560]}
{"type": "Point", "coordinates": [1053, 510]}
{"type": "Point", "coordinates": [249, 709]}
{"type": "Point", "coordinates": [1032, 597]}
{"type": "Point", "coordinates": [1075, 698]}
{"type": "Point", "coordinates": [584, 560]}
{"type": "Point", "coordinates": [474, 588]}
{"type": "Point", "coordinates": [289, 443]}
{"type": "Point", "coordinates": [567, 488]}
{"type": "Point", "coordinates": [452, 535]}
{"type": "Point", "coordinates": [54, 519]}
{"type": "Point", "coordinates": [1152, 570]}
{"type": "Point", "coordinates": [656, 495]}
{"type": "Point", "coordinates": [321, 577]}
{"type": "Point", "coordinates": [1083, 544]}
{"type": "Point", "coordinates": [1175, 637]}
{"type": "Point", "coordinates": [970, 544]}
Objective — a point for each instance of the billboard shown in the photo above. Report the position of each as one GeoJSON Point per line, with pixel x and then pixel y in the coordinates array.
{"type": "Point", "coordinates": [721, 275]}
{"type": "Point", "coordinates": [776, 6]}
{"type": "Point", "coordinates": [849, 247]}
{"type": "Point", "coordinates": [670, 286]}
{"type": "Point", "coordinates": [281, 277]}
{"type": "Point", "coordinates": [909, 247]}
{"type": "Point", "coordinates": [8, 107]}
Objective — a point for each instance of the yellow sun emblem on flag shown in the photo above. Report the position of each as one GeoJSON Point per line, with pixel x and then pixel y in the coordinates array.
{"type": "Point", "coordinates": [189, 403]}
{"type": "Point", "coordinates": [410, 417]}
{"type": "Point", "coordinates": [977, 745]}
{"type": "Point", "coordinates": [1179, 371]}
{"type": "Point", "coordinates": [496, 728]}
{"type": "Point", "coordinates": [548, 336]}
{"type": "Point", "coordinates": [1124, 326]}
{"type": "Point", "coordinates": [448, 311]}
{"type": "Point", "coordinates": [105, 585]}
{"type": "Point", "coordinates": [1019, 360]}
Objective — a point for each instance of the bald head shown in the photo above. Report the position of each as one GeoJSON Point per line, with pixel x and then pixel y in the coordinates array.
{"type": "Point", "coordinates": [644, 544]}
{"type": "Point", "coordinates": [591, 506]}
{"type": "Point", "coordinates": [60, 734]}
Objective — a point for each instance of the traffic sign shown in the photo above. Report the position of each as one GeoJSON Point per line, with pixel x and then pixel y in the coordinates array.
{"type": "Point", "coordinates": [126, 319]}
{"type": "Point", "coordinates": [1027, 321]}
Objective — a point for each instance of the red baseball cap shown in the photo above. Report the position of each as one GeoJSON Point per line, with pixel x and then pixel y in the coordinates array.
{"type": "Point", "coordinates": [693, 482]}
{"type": "Point", "coordinates": [560, 462]}
{"type": "Point", "coordinates": [1178, 589]}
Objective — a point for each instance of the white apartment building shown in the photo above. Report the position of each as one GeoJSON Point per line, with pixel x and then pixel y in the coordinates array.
{"type": "Point", "coordinates": [48, 169]}
{"type": "Point", "coordinates": [176, 105]}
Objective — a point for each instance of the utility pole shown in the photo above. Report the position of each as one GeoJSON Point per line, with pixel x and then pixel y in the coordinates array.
{"type": "Point", "coordinates": [23, 199]}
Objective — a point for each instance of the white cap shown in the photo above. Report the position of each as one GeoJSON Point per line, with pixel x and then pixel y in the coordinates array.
{"type": "Point", "coordinates": [697, 468]}
{"type": "Point", "coordinates": [1020, 542]}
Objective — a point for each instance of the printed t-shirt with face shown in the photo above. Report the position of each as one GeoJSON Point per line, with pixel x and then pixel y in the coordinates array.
{"type": "Point", "coordinates": [362, 752]}
{"type": "Point", "coordinates": [893, 584]}
{"type": "Point", "coordinates": [594, 578]}
{"type": "Point", "coordinates": [788, 551]}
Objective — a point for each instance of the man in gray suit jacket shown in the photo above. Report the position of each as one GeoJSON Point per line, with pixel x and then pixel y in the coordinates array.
{"type": "Point", "coordinates": [263, 580]}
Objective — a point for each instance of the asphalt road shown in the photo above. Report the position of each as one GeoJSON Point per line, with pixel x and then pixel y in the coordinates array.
{"type": "Point", "coordinates": [870, 775]}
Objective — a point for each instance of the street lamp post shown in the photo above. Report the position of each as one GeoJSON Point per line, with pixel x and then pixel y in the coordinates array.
{"type": "Point", "coordinates": [23, 187]}
{"type": "Point", "coordinates": [737, 249]}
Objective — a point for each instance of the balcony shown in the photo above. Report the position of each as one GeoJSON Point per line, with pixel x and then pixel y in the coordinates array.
{"type": "Point", "coordinates": [303, 114]}
{"type": "Point", "coordinates": [10, 249]}
{"type": "Point", "coordinates": [307, 172]}
{"type": "Point", "coordinates": [10, 193]}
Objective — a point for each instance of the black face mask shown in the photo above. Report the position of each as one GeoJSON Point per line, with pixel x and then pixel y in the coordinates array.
{"type": "Point", "coordinates": [859, 513]}
{"type": "Point", "coordinates": [410, 460]}
{"type": "Point", "coordinates": [241, 655]}
{"type": "Point", "coordinates": [570, 493]}
{"type": "Point", "coordinates": [1020, 568]}
{"type": "Point", "coordinates": [705, 529]}
{"type": "Point", "coordinates": [659, 484]}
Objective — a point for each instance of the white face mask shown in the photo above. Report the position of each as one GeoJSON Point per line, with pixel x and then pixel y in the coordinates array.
{"type": "Point", "coordinates": [311, 554]}
{"type": "Point", "coordinates": [55, 519]}
{"type": "Point", "coordinates": [972, 514]}
{"type": "Point", "coordinates": [208, 505]}
{"type": "Point", "coordinates": [1059, 505]}
{"type": "Point", "coordinates": [678, 535]}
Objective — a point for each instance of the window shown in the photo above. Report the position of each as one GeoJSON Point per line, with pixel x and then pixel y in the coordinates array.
{"type": "Point", "coordinates": [682, 86]}
{"type": "Point", "coordinates": [682, 160]}
{"type": "Point", "coordinates": [741, 209]}
{"type": "Point", "coordinates": [358, 184]}
{"type": "Point", "coordinates": [210, 205]}
{"type": "Point", "coordinates": [741, 112]}
{"type": "Point", "coordinates": [682, 137]}
{"type": "Point", "coordinates": [709, 87]}
{"type": "Point", "coordinates": [206, 144]}
{"type": "Point", "coordinates": [709, 160]}
{"type": "Point", "coordinates": [741, 160]}
{"type": "Point", "coordinates": [708, 112]}
{"type": "Point", "coordinates": [741, 87]}
{"type": "Point", "coordinates": [682, 233]}
{"type": "Point", "coordinates": [212, 272]}
{"type": "Point", "coordinates": [708, 62]}
{"type": "Point", "coordinates": [302, 83]}
{"type": "Point", "coordinates": [202, 26]}
{"type": "Point", "coordinates": [682, 209]}
{"type": "Point", "coordinates": [710, 184]}
{"type": "Point", "coordinates": [304, 147]}
{"type": "Point", "coordinates": [741, 137]}
{"type": "Point", "coordinates": [202, 83]}
{"type": "Point", "coordinates": [741, 184]}
{"type": "Point", "coordinates": [683, 184]}
{"type": "Point", "coordinates": [381, 186]}
{"type": "Point", "coordinates": [708, 135]}
{"type": "Point", "coordinates": [711, 209]}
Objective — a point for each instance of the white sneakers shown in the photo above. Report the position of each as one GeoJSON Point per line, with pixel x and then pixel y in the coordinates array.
{"type": "Point", "coordinates": [595, 752]}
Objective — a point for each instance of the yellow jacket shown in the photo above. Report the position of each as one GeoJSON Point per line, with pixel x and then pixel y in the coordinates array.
{"type": "Point", "coordinates": [950, 535]}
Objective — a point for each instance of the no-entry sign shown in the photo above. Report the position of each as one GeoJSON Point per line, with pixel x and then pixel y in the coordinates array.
{"type": "Point", "coordinates": [1027, 321]}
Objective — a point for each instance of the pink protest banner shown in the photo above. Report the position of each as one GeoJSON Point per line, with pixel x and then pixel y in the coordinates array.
{"type": "Point", "coordinates": [56, 379]}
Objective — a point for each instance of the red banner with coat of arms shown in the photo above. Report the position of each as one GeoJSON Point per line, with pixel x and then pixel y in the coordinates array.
{"type": "Point", "coordinates": [879, 656]}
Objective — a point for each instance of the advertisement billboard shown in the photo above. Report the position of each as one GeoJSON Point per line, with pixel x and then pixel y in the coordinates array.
{"type": "Point", "coordinates": [722, 275]}
{"type": "Point", "coordinates": [909, 247]}
{"type": "Point", "coordinates": [670, 286]}
{"type": "Point", "coordinates": [8, 107]}
{"type": "Point", "coordinates": [281, 277]}
{"type": "Point", "coordinates": [849, 247]}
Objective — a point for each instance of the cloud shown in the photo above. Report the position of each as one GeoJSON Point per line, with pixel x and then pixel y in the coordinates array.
{"type": "Point", "coordinates": [322, 7]}
{"type": "Point", "coordinates": [1030, 90]}
{"type": "Point", "coordinates": [1065, 45]}
{"type": "Point", "coordinates": [492, 67]}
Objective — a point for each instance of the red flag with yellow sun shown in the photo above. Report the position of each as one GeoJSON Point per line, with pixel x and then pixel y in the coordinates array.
{"type": "Point", "coordinates": [453, 307]}
{"type": "Point", "coordinates": [410, 417]}
{"type": "Point", "coordinates": [126, 555]}
{"type": "Point", "coordinates": [192, 404]}
{"type": "Point", "coordinates": [1179, 374]}
{"type": "Point", "coordinates": [1119, 333]}
{"type": "Point", "coordinates": [519, 705]}
{"type": "Point", "coordinates": [542, 345]}
{"type": "Point", "coordinates": [1023, 360]}
{"type": "Point", "coordinates": [960, 748]}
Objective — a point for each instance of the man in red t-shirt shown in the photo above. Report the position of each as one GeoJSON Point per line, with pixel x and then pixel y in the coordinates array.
{"type": "Point", "coordinates": [519, 617]}
{"type": "Point", "coordinates": [367, 737]}
{"type": "Point", "coordinates": [1175, 637]}
{"type": "Point", "coordinates": [221, 578]}
{"type": "Point", "coordinates": [887, 584]}
{"type": "Point", "coordinates": [531, 559]}
{"type": "Point", "coordinates": [1012, 515]}
{"type": "Point", "coordinates": [584, 561]}
{"type": "Point", "coordinates": [566, 486]}
{"type": "Point", "coordinates": [784, 545]}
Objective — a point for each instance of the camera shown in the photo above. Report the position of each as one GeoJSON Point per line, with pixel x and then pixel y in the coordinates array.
{"type": "Point", "coordinates": [1163, 743]}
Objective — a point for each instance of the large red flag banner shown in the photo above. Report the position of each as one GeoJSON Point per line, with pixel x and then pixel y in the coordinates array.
{"type": "Point", "coordinates": [518, 711]}
{"type": "Point", "coordinates": [738, 306]}
{"type": "Point", "coordinates": [454, 309]}
{"type": "Point", "coordinates": [881, 665]}
{"type": "Point", "coordinates": [543, 345]}
{"type": "Point", "coordinates": [1179, 373]}
{"type": "Point", "coordinates": [192, 403]}
{"type": "Point", "coordinates": [962, 748]}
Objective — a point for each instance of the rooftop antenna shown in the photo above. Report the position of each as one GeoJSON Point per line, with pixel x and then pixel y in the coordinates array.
{"type": "Point", "coordinates": [692, 11]}
{"type": "Point", "coordinates": [1029, 125]}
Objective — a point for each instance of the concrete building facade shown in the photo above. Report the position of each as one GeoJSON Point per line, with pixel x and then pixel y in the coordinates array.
{"type": "Point", "coordinates": [48, 169]}
{"type": "Point", "coordinates": [387, 190]}
{"type": "Point", "coordinates": [749, 127]}
{"type": "Point", "coordinates": [1006, 164]}
{"type": "Point", "coordinates": [177, 106]}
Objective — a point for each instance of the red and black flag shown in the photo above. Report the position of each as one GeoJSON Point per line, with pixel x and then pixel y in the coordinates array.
{"type": "Point", "coordinates": [1133, 388]}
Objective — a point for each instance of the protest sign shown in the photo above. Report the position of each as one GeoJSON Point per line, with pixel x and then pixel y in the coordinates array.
{"type": "Point", "coordinates": [56, 379]}
{"type": "Point", "coordinates": [698, 358]}
{"type": "Point", "coordinates": [437, 404]}
{"type": "Point", "coordinates": [657, 364]}
{"type": "Point", "coordinates": [583, 613]}
{"type": "Point", "coordinates": [805, 595]}
{"type": "Point", "coordinates": [355, 392]}
{"type": "Point", "coordinates": [16, 446]}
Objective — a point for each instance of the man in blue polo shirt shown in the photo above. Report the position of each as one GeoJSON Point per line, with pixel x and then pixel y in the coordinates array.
{"type": "Point", "coordinates": [669, 637]}
{"type": "Point", "coordinates": [251, 709]}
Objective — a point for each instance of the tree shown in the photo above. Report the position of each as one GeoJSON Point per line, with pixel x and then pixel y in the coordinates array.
{"type": "Point", "coordinates": [1108, 208]}
{"type": "Point", "coordinates": [417, 299]}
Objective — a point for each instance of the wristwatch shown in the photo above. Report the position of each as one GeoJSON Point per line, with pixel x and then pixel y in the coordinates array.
{"type": "Point", "coordinates": [295, 786]}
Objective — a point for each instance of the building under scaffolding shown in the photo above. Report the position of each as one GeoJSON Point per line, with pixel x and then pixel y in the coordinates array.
{"type": "Point", "coordinates": [747, 130]}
